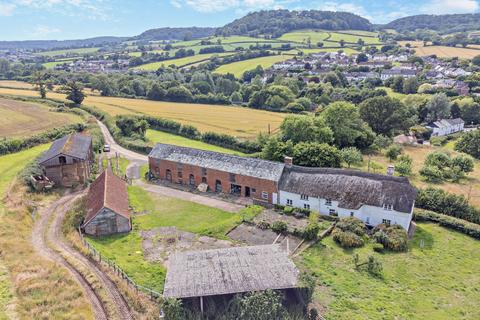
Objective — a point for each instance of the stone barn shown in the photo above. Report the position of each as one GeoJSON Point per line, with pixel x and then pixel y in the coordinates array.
{"type": "Point", "coordinates": [107, 206]}
{"type": "Point", "coordinates": [69, 160]}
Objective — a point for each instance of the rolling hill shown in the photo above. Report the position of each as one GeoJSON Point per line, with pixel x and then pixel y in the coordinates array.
{"type": "Point", "coordinates": [447, 23]}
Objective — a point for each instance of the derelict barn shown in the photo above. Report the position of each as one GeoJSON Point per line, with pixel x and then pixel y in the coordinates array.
{"type": "Point", "coordinates": [69, 160]}
{"type": "Point", "coordinates": [247, 177]}
{"type": "Point", "coordinates": [217, 272]}
{"type": "Point", "coordinates": [107, 206]}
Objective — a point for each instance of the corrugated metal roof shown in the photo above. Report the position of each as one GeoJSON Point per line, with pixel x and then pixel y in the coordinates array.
{"type": "Point", "coordinates": [74, 145]}
{"type": "Point", "coordinates": [251, 167]}
{"type": "Point", "coordinates": [228, 271]}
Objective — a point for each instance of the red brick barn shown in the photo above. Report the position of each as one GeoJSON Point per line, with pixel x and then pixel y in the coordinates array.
{"type": "Point", "coordinates": [223, 173]}
{"type": "Point", "coordinates": [107, 206]}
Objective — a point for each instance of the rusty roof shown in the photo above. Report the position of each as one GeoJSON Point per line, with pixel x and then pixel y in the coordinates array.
{"type": "Point", "coordinates": [107, 191]}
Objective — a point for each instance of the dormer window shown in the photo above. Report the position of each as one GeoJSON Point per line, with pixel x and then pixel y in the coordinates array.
{"type": "Point", "coordinates": [328, 202]}
{"type": "Point", "coordinates": [387, 207]}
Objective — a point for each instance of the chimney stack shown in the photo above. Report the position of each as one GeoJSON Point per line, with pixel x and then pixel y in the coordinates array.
{"type": "Point", "coordinates": [390, 170]}
{"type": "Point", "coordinates": [288, 161]}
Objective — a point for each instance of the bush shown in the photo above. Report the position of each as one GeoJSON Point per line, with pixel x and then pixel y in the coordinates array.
{"type": "Point", "coordinates": [288, 210]}
{"type": "Point", "coordinates": [279, 227]}
{"type": "Point", "coordinates": [347, 239]}
{"type": "Point", "coordinates": [311, 231]}
{"type": "Point", "coordinates": [263, 225]}
{"type": "Point", "coordinates": [352, 224]}
{"type": "Point", "coordinates": [469, 143]}
{"type": "Point", "coordinates": [393, 152]}
{"type": "Point", "coordinates": [393, 237]}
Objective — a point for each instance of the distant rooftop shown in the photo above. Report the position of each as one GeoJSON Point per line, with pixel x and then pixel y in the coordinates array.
{"type": "Point", "coordinates": [229, 271]}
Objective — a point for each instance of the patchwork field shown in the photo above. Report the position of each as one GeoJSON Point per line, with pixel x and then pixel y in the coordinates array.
{"type": "Point", "coordinates": [302, 36]}
{"type": "Point", "coordinates": [238, 68]}
{"type": "Point", "coordinates": [78, 51]}
{"type": "Point", "coordinates": [237, 121]}
{"type": "Point", "coordinates": [154, 136]}
{"type": "Point", "coordinates": [179, 62]}
{"type": "Point", "coordinates": [437, 281]}
{"type": "Point", "coordinates": [20, 119]}
{"type": "Point", "coordinates": [442, 51]}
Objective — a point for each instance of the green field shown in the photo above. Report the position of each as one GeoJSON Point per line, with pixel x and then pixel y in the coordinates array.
{"type": "Point", "coordinates": [79, 51]}
{"type": "Point", "coordinates": [440, 281]}
{"type": "Point", "coordinates": [53, 64]}
{"type": "Point", "coordinates": [163, 137]}
{"type": "Point", "coordinates": [179, 62]}
{"type": "Point", "coordinates": [302, 36]}
{"type": "Point", "coordinates": [351, 38]}
{"type": "Point", "coordinates": [126, 250]}
{"type": "Point", "coordinates": [238, 68]}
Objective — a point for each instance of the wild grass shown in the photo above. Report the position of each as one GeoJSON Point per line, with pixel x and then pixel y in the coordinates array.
{"type": "Point", "coordinates": [438, 280]}
{"type": "Point", "coordinates": [21, 119]}
{"type": "Point", "coordinates": [126, 250]}
{"type": "Point", "coordinates": [236, 121]}
{"type": "Point", "coordinates": [31, 287]}
{"type": "Point", "coordinates": [163, 137]}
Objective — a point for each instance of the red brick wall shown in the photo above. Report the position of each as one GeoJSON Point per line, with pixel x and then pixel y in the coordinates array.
{"type": "Point", "coordinates": [159, 168]}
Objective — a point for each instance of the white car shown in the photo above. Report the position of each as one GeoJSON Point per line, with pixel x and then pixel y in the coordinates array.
{"type": "Point", "coordinates": [106, 148]}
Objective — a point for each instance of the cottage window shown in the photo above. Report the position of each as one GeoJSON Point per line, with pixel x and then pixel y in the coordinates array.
{"type": "Point", "coordinates": [254, 190]}
{"type": "Point", "coordinates": [388, 207]}
{"type": "Point", "coordinates": [352, 214]}
{"type": "Point", "coordinates": [289, 202]}
{"type": "Point", "coordinates": [62, 160]}
{"type": "Point", "coordinates": [332, 212]}
{"type": "Point", "coordinates": [218, 186]}
{"type": "Point", "coordinates": [265, 195]}
{"type": "Point", "coordinates": [306, 206]}
{"type": "Point", "coordinates": [304, 197]}
{"type": "Point", "coordinates": [204, 179]}
{"type": "Point", "coordinates": [328, 202]}
{"type": "Point", "coordinates": [386, 222]}
{"type": "Point", "coordinates": [232, 177]}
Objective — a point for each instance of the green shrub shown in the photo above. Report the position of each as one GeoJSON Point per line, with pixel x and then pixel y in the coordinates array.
{"type": "Point", "coordinates": [378, 247]}
{"type": "Point", "coordinates": [347, 239]}
{"type": "Point", "coordinates": [392, 237]}
{"type": "Point", "coordinates": [279, 227]}
{"type": "Point", "coordinates": [263, 225]}
{"type": "Point", "coordinates": [352, 224]}
{"type": "Point", "coordinates": [311, 231]}
{"type": "Point", "coordinates": [287, 210]}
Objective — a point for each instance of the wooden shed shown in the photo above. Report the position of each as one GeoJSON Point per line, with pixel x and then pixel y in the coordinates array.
{"type": "Point", "coordinates": [107, 206]}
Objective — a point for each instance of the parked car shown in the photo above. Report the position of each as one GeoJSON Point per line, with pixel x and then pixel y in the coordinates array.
{"type": "Point", "coordinates": [106, 148]}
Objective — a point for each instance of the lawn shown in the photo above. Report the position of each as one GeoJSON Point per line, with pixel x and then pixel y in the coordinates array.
{"type": "Point", "coordinates": [53, 64]}
{"type": "Point", "coordinates": [21, 119]}
{"type": "Point", "coordinates": [438, 281]}
{"type": "Point", "coordinates": [238, 68]}
{"type": "Point", "coordinates": [180, 62]}
{"type": "Point", "coordinates": [237, 121]}
{"type": "Point", "coordinates": [155, 136]}
{"type": "Point", "coordinates": [126, 250]}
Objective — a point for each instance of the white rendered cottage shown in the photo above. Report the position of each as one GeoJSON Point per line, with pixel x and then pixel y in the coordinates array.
{"type": "Point", "coordinates": [446, 126]}
{"type": "Point", "coordinates": [373, 198]}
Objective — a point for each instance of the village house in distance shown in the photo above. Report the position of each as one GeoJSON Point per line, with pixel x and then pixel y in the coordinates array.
{"type": "Point", "coordinates": [373, 198]}
{"type": "Point", "coordinates": [107, 210]}
{"type": "Point", "coordinates": [445, 127]}
{"type": "Point", "coordinates": [69, 160]}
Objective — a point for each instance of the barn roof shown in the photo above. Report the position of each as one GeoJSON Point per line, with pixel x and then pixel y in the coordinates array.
{"type": "Point", "coordinates": [107, 191]}
{"type": "Point", "coordinates": [74, 145]}
{"type": "Point", "coordinates": [251, 167]}
{"type": "Point", "coordinates": [228, 271]}
{"type": "Point", "coordinates": [350, 188]}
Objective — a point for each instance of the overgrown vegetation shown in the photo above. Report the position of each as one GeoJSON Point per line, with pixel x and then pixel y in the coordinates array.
{"type": "Point", "coordinates": [349, 232]}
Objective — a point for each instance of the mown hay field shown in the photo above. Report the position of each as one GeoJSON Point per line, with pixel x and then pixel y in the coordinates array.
{"type": "Point", "coordinates": [78, 51]}
{"type": "Point", "coordinates": [180, 62]}
{"type": "Point", "coordinates": [236, 121]}
{"type": "Point", "coordinates": [436, 279]}
{"type": "Point", "coordinates": [21, 119]}
{"type": "Point", "coordinates": [442, 51]}
{"type": "Point", "coordinates": [15, 84]}
{"type": "Point", "coordinates": [238, 68]}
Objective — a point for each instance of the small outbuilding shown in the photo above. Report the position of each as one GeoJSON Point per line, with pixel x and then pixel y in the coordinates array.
{"type": "Point", "coordinates": [206, 273]}
{"type": "Point", "coordinates": [107, 206]}
{"type": "Point", "coordinates": [69, 160]}
{"type": "Point", "coordinates": [445, 127]}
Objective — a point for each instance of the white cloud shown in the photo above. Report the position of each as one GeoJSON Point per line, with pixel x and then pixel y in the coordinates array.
{"type": "Point", "coordinates": [450, 6]}
{"type": "Point", "coordinates": [6, 9]}
{"type": "Point", "coordinates": [222, 5]}
{"type": "Point", "coordinates": [346, 7]}
{"type": "Point", "coordinates": [42, 31]}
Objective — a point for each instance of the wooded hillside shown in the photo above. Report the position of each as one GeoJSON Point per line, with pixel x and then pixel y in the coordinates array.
{"type": "Point", "coordinates": [448, 23]}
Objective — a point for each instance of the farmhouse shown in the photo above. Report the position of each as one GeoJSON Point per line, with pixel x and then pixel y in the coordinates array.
{"type": "Point", "coordinates": [68, 161]}
{"type": "Point", "coordinates": [446, 126]}
{"type": "Point", "coordinates": [107, 206]}
{"type": "Point", "coordinates": [199, 274]}
{"type": "Point", "coordinates": [248, 177]}
{"type": "Point", "coordinates": [373, 198]}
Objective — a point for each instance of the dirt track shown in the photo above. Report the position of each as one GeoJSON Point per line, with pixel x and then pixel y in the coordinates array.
{"type": "Point", "coordinates": [48, 240]}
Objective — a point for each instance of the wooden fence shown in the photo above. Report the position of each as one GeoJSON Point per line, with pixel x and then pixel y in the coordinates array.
{"type": "Point", "coordinates": [98, 257]}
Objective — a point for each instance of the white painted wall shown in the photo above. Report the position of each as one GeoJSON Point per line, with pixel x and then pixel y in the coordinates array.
{"type": "Point", "coordinates": [443, 131]}
{"type": "Point", "coordinates": [369, 214]}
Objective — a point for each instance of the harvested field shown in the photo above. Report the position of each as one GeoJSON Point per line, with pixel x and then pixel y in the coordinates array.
{"type": "Point", "coordinates": [442, 51]}
{"type": "Point", "coordinates": [15, 84]}
{"type": "Point", "coordinates": [236, 121]}
{"type": "Point", "coordinates": [20, 119]}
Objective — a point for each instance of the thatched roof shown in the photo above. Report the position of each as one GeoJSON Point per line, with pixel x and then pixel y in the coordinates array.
{"type": "Point", "coordinates": [251, 167]}
{"type": "Point", "coordinates": [350, 188]}
{"type": "Point", "coordinates": [74, 145]}
{"type": "Point", "coordinates": [228, 271]}
{"type": "Point", "coordinates": [107, 191]}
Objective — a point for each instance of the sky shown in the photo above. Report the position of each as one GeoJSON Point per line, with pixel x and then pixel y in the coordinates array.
{"type": "Point", "coordinates": [78, 19]}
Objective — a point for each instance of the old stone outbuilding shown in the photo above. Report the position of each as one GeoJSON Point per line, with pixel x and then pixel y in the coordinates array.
{"type": "Point", "coordinates": [69, 160]}
{"type": "Point", "coordinates": [107, 206]}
